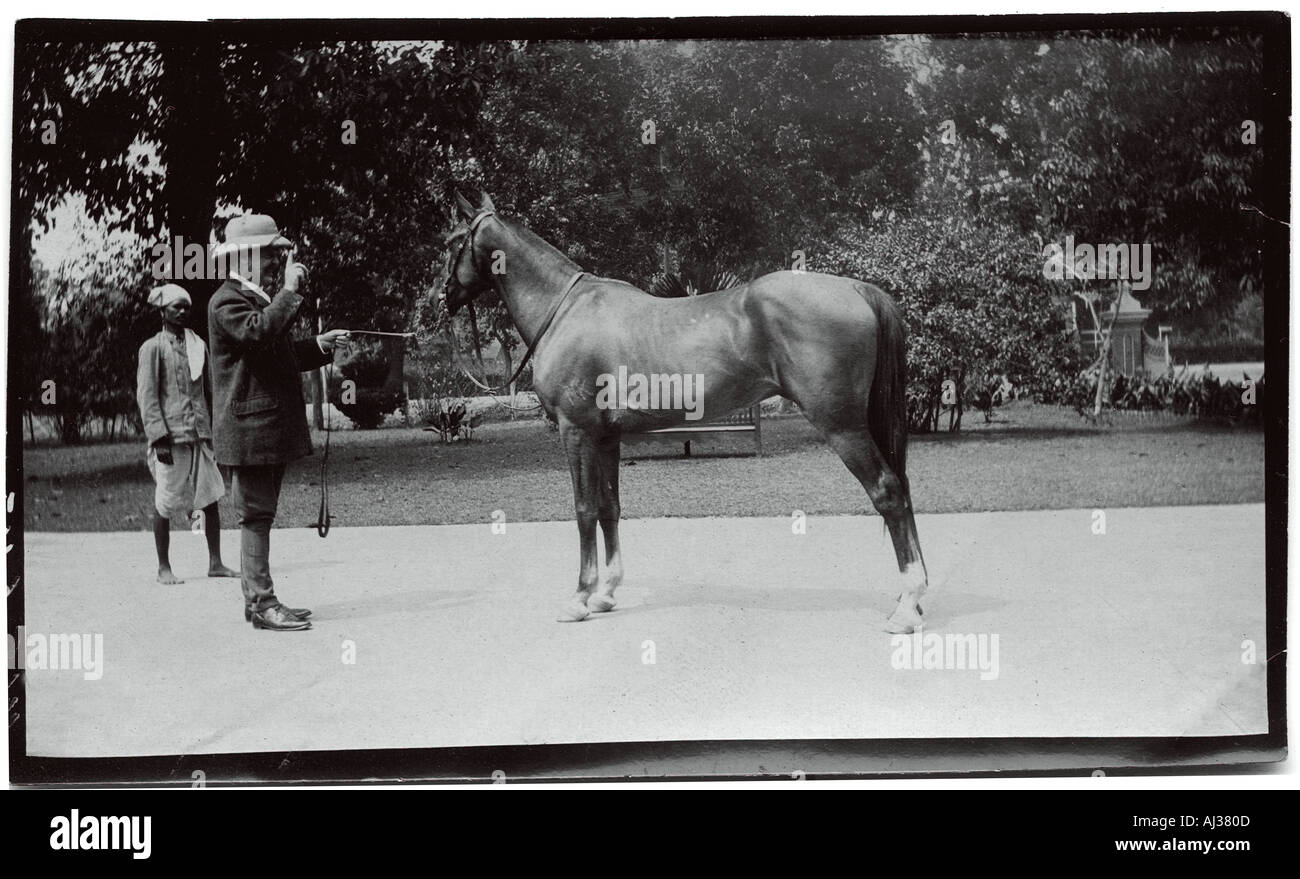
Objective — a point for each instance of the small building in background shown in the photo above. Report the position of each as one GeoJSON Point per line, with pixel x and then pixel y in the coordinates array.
{"type": "Point", "coordinates": [1132, 350]}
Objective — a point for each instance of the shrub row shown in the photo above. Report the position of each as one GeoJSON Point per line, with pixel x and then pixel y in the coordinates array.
{"type": "Point", "coordinates": [1201, 395]}
{"type": "Point", "coordinates": [1217, 352]}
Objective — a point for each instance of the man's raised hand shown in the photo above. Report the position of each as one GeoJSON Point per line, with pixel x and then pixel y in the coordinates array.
{"type": "Point", "coordinates": [295, 273]}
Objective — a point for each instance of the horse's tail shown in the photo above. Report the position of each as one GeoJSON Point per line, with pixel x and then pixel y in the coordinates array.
{"type": "Point", "coordinates": [887, 406]}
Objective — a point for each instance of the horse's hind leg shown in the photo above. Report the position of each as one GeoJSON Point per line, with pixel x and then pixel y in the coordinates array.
{"type": "Point", "coordinates": [607, 459]}
{"type": "Point", "coordinates": [580, 447]}
{"type": "Point", "coordinates": [892, 500]}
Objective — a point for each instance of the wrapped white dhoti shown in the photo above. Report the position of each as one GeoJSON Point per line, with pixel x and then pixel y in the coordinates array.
{"type": "Point", "coordinates": [191, 482]}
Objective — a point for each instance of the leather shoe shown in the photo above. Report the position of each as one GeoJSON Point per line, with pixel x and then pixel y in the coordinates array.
{"type": "Point", "coordinates": [300, 612]}
{"type": "Point", "coordinates": [278, 619]}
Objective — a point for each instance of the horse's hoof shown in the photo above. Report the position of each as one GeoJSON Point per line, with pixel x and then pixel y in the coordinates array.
{"type": "Point", "coordinates": [574, 612]}
{"type": "Point", "coordinates": [903, 623]}
{"type": "Point", "coordinates": [601, 603]}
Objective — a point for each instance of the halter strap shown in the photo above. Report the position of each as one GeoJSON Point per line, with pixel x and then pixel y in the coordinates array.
{"type": "Point", "coordinates": [482, 215]}
{"type": "Point", "coordinates": [550, 315]}
{"type": "Point", "coordinates": [546, 324]}
{"type": "Point", "coordinates": [469, 233]}
{"type": "Point", "coordinates": [532, 346]}
{"type": "Point", "coordinates": [465, 242]}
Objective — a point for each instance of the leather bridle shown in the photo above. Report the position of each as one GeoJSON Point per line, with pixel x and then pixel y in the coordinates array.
{"type": "Point", "coordinates": [465, 242]}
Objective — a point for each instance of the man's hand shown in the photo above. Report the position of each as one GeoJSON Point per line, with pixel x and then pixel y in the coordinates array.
{"type": "Point", "coordinates": [295, 273]}
{"type": "Point", "coordinates": [163, 449]}
{"type": "Point", "coordinates": [329, 340]}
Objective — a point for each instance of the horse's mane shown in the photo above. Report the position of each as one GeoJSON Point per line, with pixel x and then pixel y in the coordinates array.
{"type": "Point", "coordinates": [552, 252]}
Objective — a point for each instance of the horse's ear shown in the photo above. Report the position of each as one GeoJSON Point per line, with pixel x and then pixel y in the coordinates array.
{"type": "Point", "coordinates": [465, 207]}
{"type": "Point", "coordinates": [485, 203]}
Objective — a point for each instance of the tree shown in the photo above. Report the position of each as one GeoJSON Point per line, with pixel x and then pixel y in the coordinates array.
{"type": "Point", "coordinates": [1126, 137]}
{"type": "Point", "coordinates": [85, 114]}
{"type": "Point", "coordinates": [728, 152]}
{"type": "Point", "coordinates": [354, 148]}
{"type": "Point", "coordinates": [91, 319]}
{"type": "Point", "coordinates": [974, 300]}
{"type": "Point", "coordinates": [153, 136]}
{"type": "Point", "coordinates": [779, 143]}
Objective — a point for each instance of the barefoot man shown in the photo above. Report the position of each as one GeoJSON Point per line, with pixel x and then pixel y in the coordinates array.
{"type": "Point", "coordinates": [173, 388]}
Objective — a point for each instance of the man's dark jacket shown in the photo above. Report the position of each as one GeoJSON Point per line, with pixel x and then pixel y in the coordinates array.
{"type": "Point", "coordinates": [258, 412]}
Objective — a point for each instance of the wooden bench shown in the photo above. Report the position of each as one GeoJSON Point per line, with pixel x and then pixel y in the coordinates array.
{"type": "Point", "coordinates": [747, 420]}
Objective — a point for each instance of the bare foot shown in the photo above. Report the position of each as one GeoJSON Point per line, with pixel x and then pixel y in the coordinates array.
{"type": "Point", "coordinates": [220, 570]}
{"type": "Point", "coordinates": [167, 578]}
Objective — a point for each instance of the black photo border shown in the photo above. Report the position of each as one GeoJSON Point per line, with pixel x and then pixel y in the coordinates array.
{"type": "Point", "coordinates": [724, 759]}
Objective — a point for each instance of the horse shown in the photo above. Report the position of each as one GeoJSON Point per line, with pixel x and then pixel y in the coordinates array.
{"type": "Point", "coordinates": [833, 345]}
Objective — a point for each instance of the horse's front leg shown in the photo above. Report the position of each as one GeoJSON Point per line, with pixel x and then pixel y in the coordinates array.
{"type": "Point", "coordinates": [607, 458]}
{"type": "Point", "coordinates": [584, 468]}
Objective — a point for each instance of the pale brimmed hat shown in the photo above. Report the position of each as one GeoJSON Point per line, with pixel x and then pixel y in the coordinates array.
{"type": "Point", "coordinates": [250, 232]}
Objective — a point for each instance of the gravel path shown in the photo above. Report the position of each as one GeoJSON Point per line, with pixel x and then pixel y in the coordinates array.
{"type": "Point", "coordinates": [727, 628]}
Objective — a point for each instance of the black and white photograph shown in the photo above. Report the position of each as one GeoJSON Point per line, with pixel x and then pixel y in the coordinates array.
{"type": "Point", "coordinates": [648, 400]}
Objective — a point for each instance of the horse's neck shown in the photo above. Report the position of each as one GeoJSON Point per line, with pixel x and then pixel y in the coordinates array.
{"type": "Point", "coordinates": [535, 274]}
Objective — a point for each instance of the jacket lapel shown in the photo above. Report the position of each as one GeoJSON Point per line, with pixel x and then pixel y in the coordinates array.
{"type": "Point", "coordinates": [246, 293]}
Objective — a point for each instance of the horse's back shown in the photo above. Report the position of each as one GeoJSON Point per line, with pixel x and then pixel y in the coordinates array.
{"type": "Point", "coordinates": [776, 308]}
{"type": "Point", "coordinates": [815, 305]}
{"type": "Point", "coordinates": [815, 290]}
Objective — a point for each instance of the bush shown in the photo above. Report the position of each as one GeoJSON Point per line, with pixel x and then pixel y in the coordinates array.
{"type": "Point", "coordinates": [1217, 352]}
{"type": "Point", "coordinates": [370, 407]}
{"type": "Point", "coordinates": [85, 333]}
{"type": "Point", "coordinates": [1201, 395]}
{"type": "Point", "coordinates": [373, 404]}
{"type": "Point", "coordinates": [975, 302]}
{"type": "Point", "coordinates": [447, 418]}
{"type": "Point", "coordinates": [366, 368]}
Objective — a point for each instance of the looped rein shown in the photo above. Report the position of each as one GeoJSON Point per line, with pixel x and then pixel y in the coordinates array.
{"type": "Point", "coordinates": [323, 513]}
{"type": "Point", "coordinates": [323, 516]}
{"type": "Point", "coordinates": [532, 346]}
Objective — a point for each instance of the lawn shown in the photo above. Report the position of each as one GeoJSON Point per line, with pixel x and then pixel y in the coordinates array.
{"type": "Point", "coordinates": [1030, 457]}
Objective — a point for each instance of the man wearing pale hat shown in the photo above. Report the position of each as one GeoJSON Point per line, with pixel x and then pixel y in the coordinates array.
{"type": "Point", "coordinates": [260, 415]}
{"type": "Point", "coordinates": [172, 388]}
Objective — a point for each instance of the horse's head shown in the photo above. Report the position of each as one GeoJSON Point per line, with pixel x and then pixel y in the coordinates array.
{"type": "Point", "coordinates": [464, 279]}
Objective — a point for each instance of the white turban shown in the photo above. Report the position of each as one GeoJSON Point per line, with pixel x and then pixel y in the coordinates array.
{"type": "Point", "coordinates": [195, 350]}
{"type": "Point", "coordinates": [167, 294]}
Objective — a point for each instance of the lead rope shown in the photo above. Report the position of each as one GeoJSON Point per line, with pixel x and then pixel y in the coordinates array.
{"type": "Point", "coordinates": [323, 514]}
